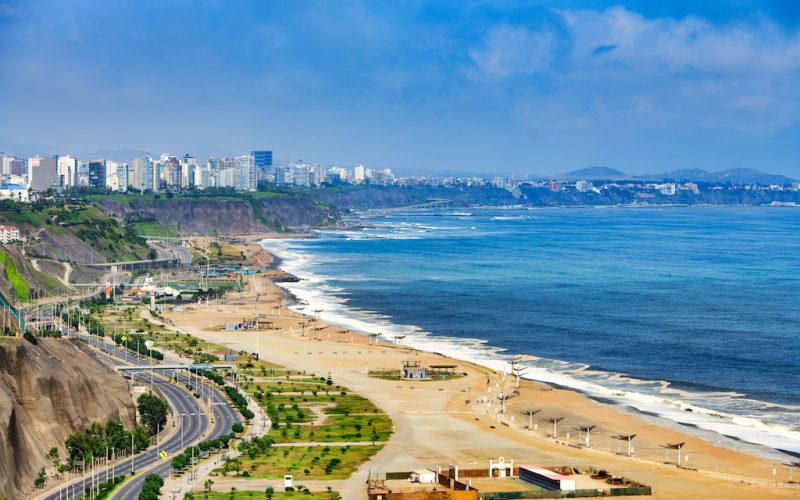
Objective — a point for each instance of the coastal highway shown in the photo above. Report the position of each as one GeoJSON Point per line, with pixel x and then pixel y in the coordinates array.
{"type": "Point", "coordinates": [182, 401]}
{"type": "Point", "coordinates": [193, 425]}
{"type": "Point", "coordinates": [224, 417]}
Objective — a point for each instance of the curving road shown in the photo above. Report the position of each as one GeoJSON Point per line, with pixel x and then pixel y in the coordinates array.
{"type": "Point", "coordinates": [191, 426]}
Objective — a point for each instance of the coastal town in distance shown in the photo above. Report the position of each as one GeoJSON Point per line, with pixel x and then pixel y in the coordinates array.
{"type": "Point", "coordinates": [26, 177]}
{"type": "Point", "coordinates": [399, 251]}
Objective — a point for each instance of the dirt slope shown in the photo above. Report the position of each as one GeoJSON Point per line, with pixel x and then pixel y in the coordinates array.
{"type": "Point", "coordinates": [48, 391]}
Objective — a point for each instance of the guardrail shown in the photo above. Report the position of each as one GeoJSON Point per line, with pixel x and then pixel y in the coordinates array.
{"type": "Point", "coordinates": [13, 311]}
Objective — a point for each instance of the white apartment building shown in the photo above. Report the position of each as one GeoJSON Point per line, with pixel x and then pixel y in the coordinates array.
{"type": "Point", "coordinates": [359, 173]}
{"type": "Point", "coordinates": [116, 176]}
{"type": "Point", "coordinates": [584, 186]}
{"type": "Point", "coordinates": [226, 177]}
{"type": "Point", "coordinates": [201, 177]}
{"type": "Point", "coordinates": [9, 234]}
{"type": "Point", "coordinates": [245, 173]}
{"type": "Point", "coordinates": [668, 188]}
{"type": "Point", "coordinates": [67, 167]}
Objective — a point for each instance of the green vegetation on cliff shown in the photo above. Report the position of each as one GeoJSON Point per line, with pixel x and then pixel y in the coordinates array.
{"type": "Point", "coordinates": [14, 277]}
{"type": "Point", "coordinates": [78, 219]}
{"type": "Point", "coordinates": [153, 228]}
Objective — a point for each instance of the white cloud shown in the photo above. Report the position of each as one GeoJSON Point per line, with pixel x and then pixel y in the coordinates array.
{"type": "Point", "coordinates": [509, 50]}
{"type": "Point", "coordinates": [615, 66]}
{"type": "Point", "coordinates": [689, 44]}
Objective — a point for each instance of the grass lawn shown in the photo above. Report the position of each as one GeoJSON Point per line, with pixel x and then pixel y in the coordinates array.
{"type": "Point", "coordinates": [308, 462]}
{"type": "Point", "coordinates": [152, 228]}
{"type": "Point", "coordinates": [337, 428]}
{"type": "Point", "coordinates": [348, 416]}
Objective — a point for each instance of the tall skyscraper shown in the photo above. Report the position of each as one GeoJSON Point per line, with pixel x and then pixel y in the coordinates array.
{"type": "Point", "coordinates": [97, 174]}
{"type": "Point", "coordinates": [67, 171]}
{"type": "Point", "coordinates": [42, 173]}
{"type": "Point", "coordinates": [187, 165]}
{"type": "Point", "coordinates": [116, 176]}
{"type": "Point", "coordinates": [244, 173]}
{"type": "Point", "coordinates": [263, 160]}
{"type": "Point", "coordinates": [142, 174]}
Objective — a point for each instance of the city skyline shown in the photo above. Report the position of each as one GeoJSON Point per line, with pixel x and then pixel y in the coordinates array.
{"type": "Point", "coordinates": [538, 89]}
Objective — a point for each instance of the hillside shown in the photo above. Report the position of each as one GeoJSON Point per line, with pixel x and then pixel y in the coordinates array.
{"type": "Point", "coordinates": [595, 173]}
{"type": "Point", "coordinates": [245, 213]}
{"type": "Point", "coordinates": [729, 176]}
{"type": "Point", "coordinates": [48, 391]}
{"type": "Point", "coordinates": [366, 197]}
{"type": "Point", "coordinates": [20, 279]}
{"type": "Point", "coordinates": [363, 197]}
{"type": "Point", "coordinates": [74, 231]}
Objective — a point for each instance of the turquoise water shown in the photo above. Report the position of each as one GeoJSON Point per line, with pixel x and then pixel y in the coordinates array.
{"type": "Point", "coordinates": [698, 305]}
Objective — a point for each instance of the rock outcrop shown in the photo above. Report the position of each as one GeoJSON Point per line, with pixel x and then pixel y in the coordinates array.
{"type": "Point", "coordinates": [48, 391]}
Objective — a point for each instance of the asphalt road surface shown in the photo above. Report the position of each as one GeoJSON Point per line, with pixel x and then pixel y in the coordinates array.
{"type": "Point", "coordinates": [191, 426]}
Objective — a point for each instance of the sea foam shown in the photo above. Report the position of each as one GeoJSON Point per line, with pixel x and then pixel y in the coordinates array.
{"type": "Point", "coordinates": [721, 413]}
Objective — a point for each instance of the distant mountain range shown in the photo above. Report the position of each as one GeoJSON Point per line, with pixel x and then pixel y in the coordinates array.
{"type": "Point", "coordinates": [729, 176]}
{"type": "Point", "coordinates": [596, 173]}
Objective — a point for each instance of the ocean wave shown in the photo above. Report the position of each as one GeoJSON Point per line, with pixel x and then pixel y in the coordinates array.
{"type": "Point", "coordinates": [725, 413]}
{"type": "Point", "coordinates": [512, 217]}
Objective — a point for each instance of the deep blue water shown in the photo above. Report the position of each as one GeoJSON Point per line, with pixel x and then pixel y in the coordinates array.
{"type": "Point", "coordinates": [706, 298]}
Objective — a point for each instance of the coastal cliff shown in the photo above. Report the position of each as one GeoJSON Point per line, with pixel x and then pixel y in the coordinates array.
{"type": "Point", "coordinates": [48, 391]}
{"type": "Point", "coordinates": [368, 197]}
{"type": "Point", "coordinates": [256, 213]}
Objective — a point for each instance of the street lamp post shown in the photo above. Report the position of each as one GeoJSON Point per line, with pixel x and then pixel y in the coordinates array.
{"type": "Point", "coordinates": [83, 468]}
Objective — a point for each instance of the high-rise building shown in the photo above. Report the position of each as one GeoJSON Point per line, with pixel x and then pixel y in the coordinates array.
{"type": "Point", "coordinates": [359, 173]}
{"type": "Point", "coordinates": [142, 174]}
{"type": "Point", "coordinates": [67, 171]}
{"type": "Point", "coordinates": [96, 174]}
{"type": "Point", "coordinates": [279, 173]}
{"type": "Point", "coordinates": [245, 173]}
{"type": "Point", "coordinates": [10, 165]}
{"type": "Point", "coordinates": [187, 166]}
{"type": "Point", "coordinates": [116, 176]}
{"type": "Point", "coordinates": [5, 164]}
{"type": "Point", "coordinates": [42, 173]}
{"type": "Point", "coordinates": [263, 160]}
{"type": "Point", "coordinates": [201, 177]}
{"type": "Point", "coordinates": [226, 177]}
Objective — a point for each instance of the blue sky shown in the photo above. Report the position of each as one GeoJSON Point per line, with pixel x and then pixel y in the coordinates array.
{"type": "Point", "coordinates": [517, 87]}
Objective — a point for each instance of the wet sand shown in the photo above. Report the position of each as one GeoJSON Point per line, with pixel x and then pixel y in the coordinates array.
{"type": "Point", "coordinates": [442, 422]}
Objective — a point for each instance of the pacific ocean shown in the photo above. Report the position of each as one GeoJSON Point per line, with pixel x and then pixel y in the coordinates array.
{"type": "Point", "coordinates": [699, 303]}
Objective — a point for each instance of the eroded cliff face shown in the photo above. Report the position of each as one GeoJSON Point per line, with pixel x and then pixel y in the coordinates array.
{"type": "Point", "coordinates": [48, 391]}
{"type": "Point", "coordinates": [225, 216]}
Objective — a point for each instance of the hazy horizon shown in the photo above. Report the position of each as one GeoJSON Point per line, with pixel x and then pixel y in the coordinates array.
{"type": "Point", "coordinates": [517, 88]}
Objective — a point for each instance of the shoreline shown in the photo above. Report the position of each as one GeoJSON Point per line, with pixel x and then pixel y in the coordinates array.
{"type": "Point", "coordinates": [433, 418]}
{"type": "Point", "coordinates": [689, 416]}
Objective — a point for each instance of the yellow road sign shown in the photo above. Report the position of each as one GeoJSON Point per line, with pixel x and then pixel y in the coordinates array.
{"type": "Point", "coordinates": [163, 454]}
{"type": "Point", "coordinates": [124, 338]}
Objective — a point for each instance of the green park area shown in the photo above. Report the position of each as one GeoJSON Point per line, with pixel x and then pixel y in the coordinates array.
{"type": "Point", "coordinates": [320, 430]}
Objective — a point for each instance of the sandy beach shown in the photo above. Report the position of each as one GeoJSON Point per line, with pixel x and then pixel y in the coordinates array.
{"type": "Point", "coordinates": [460, 421]}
